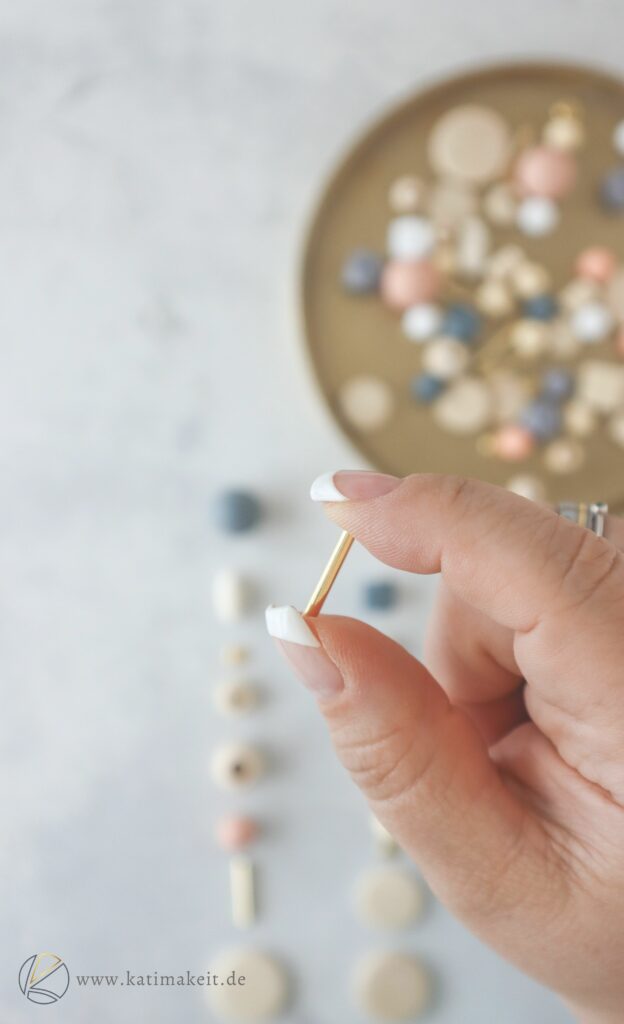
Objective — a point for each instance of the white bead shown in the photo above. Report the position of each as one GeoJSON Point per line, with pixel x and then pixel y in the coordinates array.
{"type": "Point", "coordinates": [601, 385]}
{"type": "Point", "coordinates": [537, 216]}
{"type": "Point", "coordinates": [530, 279]}
{"type": "Point", "coordinates": [421, 322]}
{"type": "Point", "coordinates": [530, 487]}
{"type": "Point", "coordinates": [445, 358]}
{"type": "Point", "coordinates": [592, 322]}
{"type": "Point", "coordinates": [616, 428]}
{"type": "Point", "coordinates": [473, 246]}
{"type": "Point", "coordinates": [407, 194]}
{"type": "Point", "coordinates": [236, 765]}
{"type": "Point", "coordinates": [391, 986]}
{"type": "Point", "coordinates": [564, 456]}
{"type": "Point", "coordinates": [618, 138]}
{"type": "Point", "coordinates": [579, 419]}
{"type": "Point", "coordinates": [566, 133]}
{"type": "Point", "coordinates": [529, 338]}
{"type": "Point", "coordinates": [465, 407]}
{"type": "Point", "coordinates": [263, 994]}
{"type": "Point", "coordinates": [230, 595]}
{"type": "Point", "coordinates": [366, 402]}
{"type": "Point", "coordinates": [494, 298]}
{"type": "Point", "coordinates": [410, 238]}
{"type": "Point", "coordinates": [388, 896]}
{"type": "Point", "coordinates": [235, 697]}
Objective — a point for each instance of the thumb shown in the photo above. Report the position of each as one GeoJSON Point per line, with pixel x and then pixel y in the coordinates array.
{"type": "Point", "coordinates": [424, 769]}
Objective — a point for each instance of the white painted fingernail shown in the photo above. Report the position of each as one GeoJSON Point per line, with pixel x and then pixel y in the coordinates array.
{"type": "Point", "coordinates": [286, 623]}
{"type": "Point", "coordinates": [324, 489]}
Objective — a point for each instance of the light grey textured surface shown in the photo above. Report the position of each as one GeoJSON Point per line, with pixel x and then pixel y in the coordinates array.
{"type": "Point", "coordinates": [157, 161]}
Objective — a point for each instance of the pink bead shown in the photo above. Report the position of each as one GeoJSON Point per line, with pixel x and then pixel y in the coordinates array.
{"type": "Point", "coordinates": [596, 264]}
{"type": "Point", "coordinates": [235, 833]}
{"type": "Point", "coordinates": [619, 343]}
{"type": "Point", "coordinates": [544, 171]}
{"type": "Point", "coordinates": [513, 443]}
{"type": "Point", "coordinates": [405, 284]}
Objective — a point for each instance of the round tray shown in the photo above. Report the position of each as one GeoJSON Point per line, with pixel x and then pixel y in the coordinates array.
{"type": "Point", "coordinates": [348, 335]}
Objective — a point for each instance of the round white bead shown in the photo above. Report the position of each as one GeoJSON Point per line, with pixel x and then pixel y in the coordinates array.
{"type": "Point", "coordinates": [579, 419]}
{"type": "Point", "coordinates": [529, 338]}
{"type": "Point", "coordinates": [600, 385]}
{"type": "Point", "coordinates": [445, 358]}
{"type": "Point", "coordinates": [235, 697]}
{"type": "Point", "coordinates": [421, 322]}
{"type": "Point", "coordinates": [494, 298]}
{"type": "Point", "coordinates": [407, 194]}
{"type": "Point", "coordinates": [564, 456]}
{"type": "Point", "coordinates": [263, 994]}
{"type": "Point", "coordinates": [391, 986]}
{"type": "Point", "coordinates": [410, 238]}
{"type": "Point", "coordinates": [366, 402]}
{"type": "Point", "coordinates": [465, 408]}
{"type": "Point", "coordinates": [388, 896]}
{"type": "Point", "coordinates": [505, 261]}
{"type": "Point", "coordinates": [566, 133]}
{"type": "Point", "coordinates": [537, 216]}
{"type": "Point", "coordinates": [236, 765]}
{"type": "Point", "coordinates": [592, 322]}
{"type": "Point", "coordinates": [530, 279]}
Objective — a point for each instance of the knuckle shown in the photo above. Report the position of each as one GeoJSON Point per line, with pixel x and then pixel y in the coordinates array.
{"type": "Point", "coordinates": [384, 766]}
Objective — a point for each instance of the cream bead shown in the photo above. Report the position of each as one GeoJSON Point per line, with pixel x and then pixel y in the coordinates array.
{"type": "Point", "coordinates": [579, 419]}
{"type": "Point", "coordinates": [529, 338]}
{"type": "Point", "coordinates": [473, 246]}
{"type": "Point", "coordinates": [500, 206]}
{"type": "Point", "coordinates": [366, 402]}
{"type": "Point", "coordinates": [526, 486]}
{"type": "Point", "coordinates": [564, 456]}
{"type": "Point", "coordinates": [563, 343]}
{"type": "Point", "coordinates": [407, 194]}
{"type": "Point", "coordinates": [505, 261]}
{"type": "Point", "coordinates": [494, 298]}
{"type": "Point", "coordinates": [236, 765]}
{"type": "Point", "coordinates": [450, 203]}
{"type": "Point", "coordinates": [465, 407]}
{"type": "Point", "coordinates": [510, 393]}
{"type": "Point", "coordinates": [445, 358]}
{"type": "Point", "coordinates": [231, 595]}
{"type": "Point", "coordinates": [470, 143]}
{"type": "Point", "coordinates": [235, 697]}
{"type": "Point", "coordinates": [264, 993]}
{"type": "Point", "coordinates": [391, 986]}
{"type": "Point", "coordinates": [530, 279]}
{"type": "Point", "coordinates": [388, 896]}
{"type": "Point", "coordinates": [578, 292]}
{"type": "Point", "coordinates": [600, 385]}
{"type": "Point", "coordinates": [566, 133]}
{"type": "Point", "coordinates": [616, 428]}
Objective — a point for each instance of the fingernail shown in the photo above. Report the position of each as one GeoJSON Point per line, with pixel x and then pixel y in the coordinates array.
{"type": "Point", "coordinates": [303, 651]}
{"type": "Point", "coordinates": [352, 485]}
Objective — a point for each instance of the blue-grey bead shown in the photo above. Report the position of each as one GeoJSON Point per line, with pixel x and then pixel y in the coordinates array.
{"type": "Point", "coordinates": [540, 307]}
{"type": "Point", "coordinates": [380, 596]}
{"type": "Point", "coordinates": [461, 321]}
{"type": "Point", "coordinates": [425, 387]}
{"type": "Point", "coordinates": [612, 189]}
{"type": "Point", "coordinates": [237, 511]}
{"type": "Point", "coordinates": [557, 384]}
{"type": "Point", "coordinates": [542, 418]}
{"type": "Point", "coordinates": [361, 271]}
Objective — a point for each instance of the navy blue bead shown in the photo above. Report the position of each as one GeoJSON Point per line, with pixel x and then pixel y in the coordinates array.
{"type": "Point", "coordinates": [461, 321]}
{"type": "Point", "coordinates": [612, 189]}
{"type": "Point", "coordinates": [380, 596]}
{"type": "Point", "coordinates": [542, 418]}
{"type": "Point", "coordinates": [361, 271]}
{"type": "Point", "coordinates": [236, 511]}
{"type": "Point", "coordinates": [541, 307]}
{"type": "Point", "coordinates": [425, 387]}
{"type": "Point", "coordinates": [557, 384]}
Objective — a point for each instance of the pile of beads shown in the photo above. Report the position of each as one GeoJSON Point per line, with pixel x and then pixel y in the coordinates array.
{"type": "Point", "coordinates": [530, 369]}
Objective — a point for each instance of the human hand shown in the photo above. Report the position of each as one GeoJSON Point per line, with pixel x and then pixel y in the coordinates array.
{"type": "Point", "coordinates": [500, 767]}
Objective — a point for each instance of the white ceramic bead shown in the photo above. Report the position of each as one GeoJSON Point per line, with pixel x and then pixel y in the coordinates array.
{"type": "Point", "coordinates": [261, 997]}
{"type": "Point", "coordinates": [494, 298]}
{"type": "Point", "coordinates": [530, 279]}
{"type": "Point", "coordinates": [473, 246]}
{"type": "Point", "coordinates": [235, 697]}
{"type": "Point", "coordinates": [366, 402]}
{"type": "Point", "coordinates": [388, 896]}
{"type": "Point", "coordinates": [465, 407]}
{"type": "Point", "coordinates": [236, 765]}
{"type": "Point", "coordinates": [592, 322]}
{"type": "Point", "coordinates": [445, 358]}
{"type": "Point", "coordinates": [407, 194]}
{"type": "Point", "coordinates": [616, 428]}
{"type": "Point", "coordinates": [230, 595]}
{"type": "Point", "coordinates": [564, 456]}
{"type": "Point", "coordinates": [579, 419]}
{"type": "Point", "coordinates": [410, 238]}
{"type": "Point", "coordinates": [391, 986]}
{"type": "Point", "coordinates": [600, 385]}
{"type": "Point", "coordinates": [618, 138]}
{"type": "Point", "coordinates": [537, 216]}
{"type": "Point", "coordinates": [500, 206]}
{"type": "Point", "coordinates": [421, 322]}
{"type": "Point", "coordinates": [526, 486]}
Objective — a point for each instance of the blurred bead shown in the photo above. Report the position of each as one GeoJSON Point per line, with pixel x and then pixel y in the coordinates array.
{"type": "Point", "coordinates": [541, 418]}
{"type": "Point", "coordinates": [494, 298]}
{"type": "Point", "coordinates": [612, 190]}
{"type": "Point", "coordinates": [233, 654]}
{"type": "Point", "coordinates": [540, 307]}
{"type": "Point", "coordinates": [236, 697]}
{"type": "Point", "coordinates": [469, 143]}
{"type": "Point", "coordinates": [513, 443]}
{"type": "Point", "coordinates": [564, 456]}
{"type": "Point", "coordinates": [410, 238]}
{"type": "Point", "coordinates": [465, 407]}
{"type": "Point", "coordinates": [235, 765]}
{"type": "Point", "coordinates": [461, 321]}
{"type": "Point", "coordinates": [618, 138]}
{"type": "Point", "coordinates": [601, 385]}
{"type": "Point", "coordinates": [615, 294]}
{"type": "Point", "coordinates": [537, 216]}
{"type": "Point", "coordinates": [529, 338]}
{"type": "Point", "coordinates": [616, 428]}
{"type": "Point", "coordinates": [502, 263]}
{"type": "Point", "coordinates": [407, 194]}
{"type": "Point", "coordinates": [421, 322]}
{"type": "Point", "coordinates": [473, 246]}
{"type": "Point", "coordinates": [380, 596]}
{"type": "Point", "coordinates": [596, 264]}
{"type": "Point", "coordinates": [592, 323]}
{"type": "Point", "coordinates": [426, 388]}
{"type": "Point", "coordinates": [562, 342]}
{"type": "Point", "coordinates": [235, 833]}
{"type": "Point", "coordinates": [230, 595]}
{"type": "Point", "coordinates": [579, 419]}
{"type": "Point", "coordinates": [444, 258]}
{"type": "Point", "coordinates": [366, 402]}
{"type": "Point", "coordinates": [545, 172]}
{"type": "Point", "coordinates": [445, 358]}
{"type": "Point", "coordinates": [510, 393]}
{"type": "Point", "coordinates": [237, 511]}
{"type": "Point", "coordinates": [557, 383]}
{"type": "Point", "coordinates": [499, 205]}
{"type": "Point", "coordinates": [526, 486]}
{"type": "Point", "coordinates": [405, 284]}
{"type": "Point", "coordinates": [529, 279]}
{"type": "Point", "coordinates": [619, 343]}
{"type": "Point", "coordinates": [578, 292]}
{"type": "Point", "coordinates": [450, 203]}
{"type": "Point", "coordinates": [361, 272]}
{"type": "Point", "coordinates": [566, 133]}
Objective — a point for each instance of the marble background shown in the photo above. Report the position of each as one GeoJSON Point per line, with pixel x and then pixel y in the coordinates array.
{"type": "Point", "coordinates": [158, 159]}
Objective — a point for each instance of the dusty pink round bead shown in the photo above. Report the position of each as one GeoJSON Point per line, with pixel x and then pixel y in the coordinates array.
{"type": "Point", "coordinates": [405, 284]}
{"type": "Point", "coordinates": [596, 264]}
{"type": "Point", "coordinates": [513, 443]}
{"type": "Point", "coordinates": [545, 171]}
{"type": "Point", "coordinates": [235, 833]}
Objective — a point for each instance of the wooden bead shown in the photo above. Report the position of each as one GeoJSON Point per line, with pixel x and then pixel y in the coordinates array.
{"type": "Point", "coordinates": [529, 338]}
{"type": "Point", "coordinates": [494, 298]}
{"type": "Point", "coordinates": [407, 194]}
{"type": "Point", "coordinates": [530, 279]}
